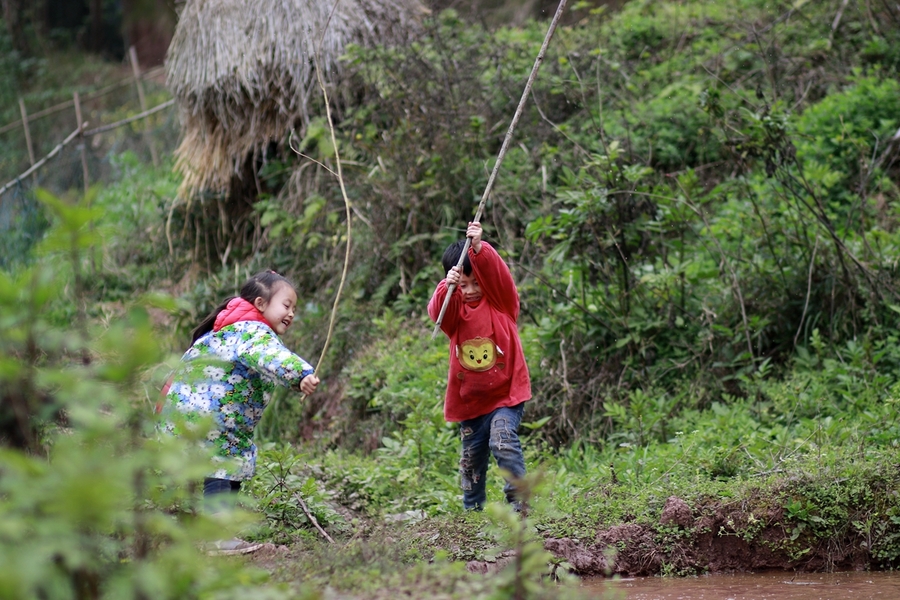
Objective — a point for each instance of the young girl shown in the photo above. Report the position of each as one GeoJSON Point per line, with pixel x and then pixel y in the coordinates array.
{"type": "Point", "coordinates": [229, 373]}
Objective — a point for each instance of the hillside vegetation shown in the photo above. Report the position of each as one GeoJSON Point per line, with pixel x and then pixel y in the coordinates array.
{"type": "Point", "coordinates": [700, 211]}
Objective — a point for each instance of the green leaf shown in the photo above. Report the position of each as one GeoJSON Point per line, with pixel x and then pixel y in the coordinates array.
{"type": "Point", "coordinates": [537, 424]}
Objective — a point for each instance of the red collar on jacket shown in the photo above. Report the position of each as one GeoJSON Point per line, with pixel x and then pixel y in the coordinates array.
{"type": "Point", "coordinates": [237, 310]}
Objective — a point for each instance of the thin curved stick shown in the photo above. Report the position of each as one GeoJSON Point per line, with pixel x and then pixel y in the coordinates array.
{"type": "Point", "coordinates": [340, 177]}
{"type": "Point", "coordinates": [312, 517]}
{"type": "Point", "coordinates": [307, 156]}
{"type": "Point", "coordinates": [356, 211]}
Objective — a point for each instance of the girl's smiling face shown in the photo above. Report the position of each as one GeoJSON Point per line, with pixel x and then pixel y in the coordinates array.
{"type": "Point", "coordinates": [279, 311]}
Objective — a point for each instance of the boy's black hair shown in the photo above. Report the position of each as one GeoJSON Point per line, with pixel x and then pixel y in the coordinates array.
{"type": "Point", "coordinates": [262, 285]}
{"type": "Point", "coordinates": [451, 257]}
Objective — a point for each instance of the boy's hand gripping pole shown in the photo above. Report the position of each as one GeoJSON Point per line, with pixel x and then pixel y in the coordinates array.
{"type": "Point", "coordinates": [490, 184]}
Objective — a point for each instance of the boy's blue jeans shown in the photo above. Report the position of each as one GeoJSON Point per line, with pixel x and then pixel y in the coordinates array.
{"type": "Point", "coordinates": [495, 433]}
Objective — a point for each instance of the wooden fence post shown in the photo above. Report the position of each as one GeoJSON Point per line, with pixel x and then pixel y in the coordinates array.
{"type": "Point", "coordinates": [86, 175]}
{"type": "Point", "coordinates": [136, 70]}
{"type": "Point", "coordinates": [84, 164]}
{"type": "Point", "coordinates": [27, 136]}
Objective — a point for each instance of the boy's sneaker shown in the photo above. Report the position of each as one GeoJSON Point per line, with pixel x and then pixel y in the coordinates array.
{"type": "Point", "coordinates": [232, 547]}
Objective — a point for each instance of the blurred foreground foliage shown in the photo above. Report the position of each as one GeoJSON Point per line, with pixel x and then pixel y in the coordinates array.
{"type": "Point", "coordinates": [93, 503]}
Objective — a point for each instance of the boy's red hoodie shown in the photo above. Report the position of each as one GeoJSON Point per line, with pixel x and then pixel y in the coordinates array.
{"type": "Point", "coordinates": [487, 365]}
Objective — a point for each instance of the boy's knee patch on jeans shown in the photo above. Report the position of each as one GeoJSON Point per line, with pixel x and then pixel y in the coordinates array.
{"type": "Point", "coordinates": [502, 433]}
{"type": "Point", "coordinates": [467, 470]}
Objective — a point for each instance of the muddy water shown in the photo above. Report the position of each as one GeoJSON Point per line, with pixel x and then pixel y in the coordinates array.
{"type": "Point", "coordinates": [758, 586]}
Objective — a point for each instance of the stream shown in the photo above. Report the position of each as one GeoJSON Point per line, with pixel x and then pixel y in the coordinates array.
{"type": "Point", "coordinates": [746, 586]}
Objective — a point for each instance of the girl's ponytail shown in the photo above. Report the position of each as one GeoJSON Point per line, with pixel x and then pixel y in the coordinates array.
{"type": "Point", "coordinates": [206, 324]}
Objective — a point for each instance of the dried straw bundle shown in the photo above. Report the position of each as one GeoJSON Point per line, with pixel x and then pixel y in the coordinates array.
{"type": "Point", "coordinates": [242, 71]}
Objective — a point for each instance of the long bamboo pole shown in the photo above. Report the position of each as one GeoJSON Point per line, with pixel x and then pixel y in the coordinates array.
{"type": "Point", "coordinates": [506, 141]}
{"type": "Point", "coordinates": [117, 124]}
{"type": "Point", "coordinates": [28, 144]}
{"type": "Point", "coordinates": [41, 162]}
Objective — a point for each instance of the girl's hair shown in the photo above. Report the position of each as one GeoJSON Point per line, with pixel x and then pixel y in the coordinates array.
{"type": "Point", "coordinates": [262, 285]}
{"type": "Point", "coordinates": [451, 257]}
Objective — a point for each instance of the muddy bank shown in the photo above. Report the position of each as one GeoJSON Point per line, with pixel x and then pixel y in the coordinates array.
{"type": "Point", "coordinates": [716, 539]}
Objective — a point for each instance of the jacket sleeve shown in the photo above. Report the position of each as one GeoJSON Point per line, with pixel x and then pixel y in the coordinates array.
{"type": "Point", "coordinates": [495, 280]}
{"type": "Point", "coordinates": [451, 316]}
{"type": "Point", "coordinates": [264, 353]}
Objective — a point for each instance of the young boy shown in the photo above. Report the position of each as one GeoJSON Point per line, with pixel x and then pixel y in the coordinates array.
{"type": "Point", "coordinates": [488, 382]}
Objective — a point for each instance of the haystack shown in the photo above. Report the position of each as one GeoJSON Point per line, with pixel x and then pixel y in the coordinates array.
{"type": "Point", "coordinates": [243, 71]}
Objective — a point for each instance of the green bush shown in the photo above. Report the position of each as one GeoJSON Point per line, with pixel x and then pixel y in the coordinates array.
{"type": "Point", "coordinates": [841, 138]}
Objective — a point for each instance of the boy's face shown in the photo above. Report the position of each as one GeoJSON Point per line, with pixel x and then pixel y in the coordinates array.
{"type": "Point", "coordinates": [469, 288]}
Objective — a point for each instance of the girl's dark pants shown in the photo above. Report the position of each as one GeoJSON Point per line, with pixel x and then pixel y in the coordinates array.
{"type": "Point", "coordinates": [219, 493]}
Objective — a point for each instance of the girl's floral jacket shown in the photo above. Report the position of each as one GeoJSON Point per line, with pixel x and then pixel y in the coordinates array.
{"type": "Point", "coordinates": [230, 375]}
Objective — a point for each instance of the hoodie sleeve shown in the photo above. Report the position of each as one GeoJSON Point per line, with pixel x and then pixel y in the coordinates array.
{"type": "Point", "coordinates": [495, 280]}
{"type": "Point", "coordinates": [451, 316]}
{"type": "Point", "coordinates": [262, 351]}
